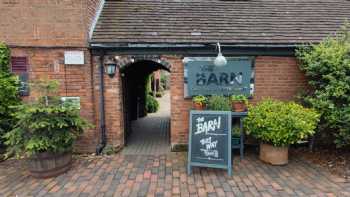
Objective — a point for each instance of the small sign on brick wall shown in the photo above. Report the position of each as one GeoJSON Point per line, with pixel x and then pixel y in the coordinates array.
{"type": "Point", "coordinates": [74, 57]}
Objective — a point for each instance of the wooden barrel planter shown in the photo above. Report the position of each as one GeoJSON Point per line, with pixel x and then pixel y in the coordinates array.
{"type": "Point", "coordinates": [47, 165]}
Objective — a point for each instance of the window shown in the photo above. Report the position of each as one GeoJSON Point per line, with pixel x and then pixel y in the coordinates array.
{"type": "Point", "coordinates": [19, 66]}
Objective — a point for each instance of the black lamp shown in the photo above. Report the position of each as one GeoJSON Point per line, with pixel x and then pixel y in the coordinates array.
{"type": "Point", "coordinates": [111, 68]}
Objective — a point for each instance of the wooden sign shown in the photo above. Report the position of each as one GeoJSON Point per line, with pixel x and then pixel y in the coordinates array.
{"type": "Point", "coordinates": [210, 140]}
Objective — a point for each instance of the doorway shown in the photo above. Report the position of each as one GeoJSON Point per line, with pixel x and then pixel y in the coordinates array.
{"type": "Point", "coordinates": [146, 85]}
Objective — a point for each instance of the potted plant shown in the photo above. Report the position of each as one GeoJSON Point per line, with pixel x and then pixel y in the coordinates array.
{"type": "Point", "coordinates": [236, 136]}
{"type": "Point", "coordinates": [277, 125]}
{"type": "Point", "coordinates": [239, 103]}
{"type": "Point", "coordinates": [218, 103]}
{"type": "Point", "coordinates": [199, 102]}
{"type": "Point", "coordinates": [45, 132]}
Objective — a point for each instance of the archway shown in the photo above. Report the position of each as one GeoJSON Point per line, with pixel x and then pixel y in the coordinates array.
{"type": "Point", "coordinates": [143, 132]}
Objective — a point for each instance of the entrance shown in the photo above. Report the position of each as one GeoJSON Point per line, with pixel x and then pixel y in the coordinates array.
{"type": "Point", "coordinates": [147, 131]}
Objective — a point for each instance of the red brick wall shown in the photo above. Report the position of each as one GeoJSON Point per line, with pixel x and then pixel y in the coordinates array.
{"type": "Point", "coordinates": [275, 77]}
{"type": "Point", "coordinates": [113, 106]}
{"type": "Point", "coordinates": [46, 23]}
{"type": "Point", "coordinates": [75, 80]}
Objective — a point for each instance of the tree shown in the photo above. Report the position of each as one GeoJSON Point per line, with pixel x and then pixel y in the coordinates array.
{"type": "Point", "coordinates": [327, 66]}
{"type": "Point", "coordinates": [9, 92]}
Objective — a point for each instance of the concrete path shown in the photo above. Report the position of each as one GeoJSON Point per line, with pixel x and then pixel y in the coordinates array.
{"type": "Point", "coordinates": [150, 135]}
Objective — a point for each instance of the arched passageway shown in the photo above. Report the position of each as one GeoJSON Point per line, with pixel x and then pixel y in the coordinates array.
{"type": "Point", "coordinates": [145, 133]}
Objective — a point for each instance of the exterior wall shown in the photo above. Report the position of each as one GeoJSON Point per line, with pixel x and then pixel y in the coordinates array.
{"type": "Point", "coordinates": [275, 77]}
{"type": "Point", "coordinates": [42, 31]}
{"type": "Point", "coordinates": [113, 106]}
{"type": "Point", "coordinates": [46, 23]}
{"type": "Point", "coordinates": [75, 80]}
{"type": "Point", "coordinates": [43, 23]}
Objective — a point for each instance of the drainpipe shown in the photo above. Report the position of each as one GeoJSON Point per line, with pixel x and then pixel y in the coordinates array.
{"type": "Point", "coordinates": [103, 138]}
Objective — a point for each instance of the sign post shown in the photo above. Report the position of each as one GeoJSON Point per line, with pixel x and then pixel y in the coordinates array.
{"type": "Point", "coordinates": [210, 140]}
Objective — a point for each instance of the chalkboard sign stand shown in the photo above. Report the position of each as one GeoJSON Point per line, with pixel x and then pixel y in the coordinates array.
{"type": "Point", "coordinates": [226, 153]}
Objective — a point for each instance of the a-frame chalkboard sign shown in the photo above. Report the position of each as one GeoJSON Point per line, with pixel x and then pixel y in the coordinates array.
{"type": "Point", "coordinates": [210, 140]}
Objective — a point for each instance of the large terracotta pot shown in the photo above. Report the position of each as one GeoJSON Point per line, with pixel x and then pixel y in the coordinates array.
{"type": "Point", "coordinates": [198, 106]}
{"type": "Point", "coordinates": [46, 165]}
{"type": "Point", "coordinates": [273, 155]}
{"type": "Point", "coordinates": [238, 106]}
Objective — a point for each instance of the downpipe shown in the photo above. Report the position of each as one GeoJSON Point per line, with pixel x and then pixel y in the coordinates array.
{"type": "Point", "coordinates": [103, 137]}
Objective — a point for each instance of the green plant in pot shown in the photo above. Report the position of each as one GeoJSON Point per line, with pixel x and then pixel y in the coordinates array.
{"type": "Point", "coordinates": [45, 132]}
{"type": "Point", "coordinates": [277, 125]}
{"type": "Point", "coordinates": [199, 102]}
{"type": "Point", "coordinates": [236, 136]}
{"type": "Point", "coordinates": [239, 103]}
{"type": "Point", "coordinates": [219, 103]}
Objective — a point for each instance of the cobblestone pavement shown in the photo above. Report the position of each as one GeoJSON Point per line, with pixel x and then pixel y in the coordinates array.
{"type": "Point", "coordinates": [150, 135]}
{"type": "Point", "coordinates": [136, 175]}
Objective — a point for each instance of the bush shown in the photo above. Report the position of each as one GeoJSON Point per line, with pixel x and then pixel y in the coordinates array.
{"type": "Point", "coordinates": [219, 103]}
{"type": "Point", "coordinates": [9, 92]}
{"type": "Point", "coordinates": [239, 98]}
{"type": "Point", "coordinates": [152, 104]}
{"type": "Point", "coordinates": [159, 94]}
{"type": "Point", "coordinates": [280, 124]}
{"type": "Point", "coordinates": [199, 99]}
{"type": "Point", "coordinates": [44, 126]}
{"type": "Point", "coordinates": [327, 66]}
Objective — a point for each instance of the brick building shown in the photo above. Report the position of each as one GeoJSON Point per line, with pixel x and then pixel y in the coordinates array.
{"type": "Point", "coordinates": [143, 36]}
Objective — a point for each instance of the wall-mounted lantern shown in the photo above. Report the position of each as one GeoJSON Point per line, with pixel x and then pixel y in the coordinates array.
{"type": "Point", "coordinates": [111, 68]}
{"type": "Point", "coordinates": [220, 60]}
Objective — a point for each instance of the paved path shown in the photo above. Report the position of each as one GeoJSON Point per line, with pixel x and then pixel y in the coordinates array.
{"type": "Point", "coordinates": [137, 175]}
{"type": "Point", "coordinates": [150, 135]}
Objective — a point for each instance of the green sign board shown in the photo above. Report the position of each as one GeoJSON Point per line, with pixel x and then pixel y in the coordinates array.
{"type": "Point", "coordinates": [210, 140]}
{"type": "Point", "coordinates": [202, 77]}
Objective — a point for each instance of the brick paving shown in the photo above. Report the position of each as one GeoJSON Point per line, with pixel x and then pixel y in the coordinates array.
{"type": "Point", "coordinates": [165, 175]}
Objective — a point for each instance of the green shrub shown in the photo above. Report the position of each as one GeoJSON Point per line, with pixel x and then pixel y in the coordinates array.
{"type": "Point", "coordinates": [240, 98]}
{"type": "Point", "coordinates": [219, 103]}
{"type": "Point", "coordinates": [9, 92]}
{"type": "Point", "coordinates": [152, 104]}
{"type": "Point", "coordinates": [200, 99]}
{"type": "Point", "coordinates": [279, 123]}
{"type": "Point", "coordinates": [44, 126]}
{"type": "Point", "coordinates": [327, 67]}
{"type": "Point", "coordinates": [159, 94]}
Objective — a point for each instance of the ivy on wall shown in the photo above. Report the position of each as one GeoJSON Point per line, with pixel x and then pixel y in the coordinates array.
{"type": "Point", "coordinates": [9, 88]}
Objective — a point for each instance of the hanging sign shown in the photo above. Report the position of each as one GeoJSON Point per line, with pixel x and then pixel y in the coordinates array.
{"type": "Point", "coordinates": [202, 77]}
{"type": "Point", "coordinates": [210, 140]}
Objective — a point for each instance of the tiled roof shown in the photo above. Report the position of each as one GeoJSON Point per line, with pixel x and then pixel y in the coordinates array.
{"type": "Point", "coordinates": [226, 21]}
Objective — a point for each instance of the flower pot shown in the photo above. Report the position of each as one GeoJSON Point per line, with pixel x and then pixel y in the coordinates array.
{"type": "Point", "coordinates": [47, 165]}
{"type": "Point", "coordinates": [273, 155]}
{"type": "Point", "coordinates": [235, 141]}
{"type": "Point", "coordinates": [198, 106]}
{"type": "Point", "coordinates": [238, 106]}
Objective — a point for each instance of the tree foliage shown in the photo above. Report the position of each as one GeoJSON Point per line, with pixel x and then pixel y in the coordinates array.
{"type": "Point", "coordinates": [327, 66]}
{"type": "Point", "coordinates": [152, 105]}
{"type": "Point", "coordinates": [9, 92]}
{"type": "Point", "coordinates": [46, 125]}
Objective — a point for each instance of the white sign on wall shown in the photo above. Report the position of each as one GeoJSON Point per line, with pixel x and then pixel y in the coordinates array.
{"type": "Point", "coordinates": [74, 57]}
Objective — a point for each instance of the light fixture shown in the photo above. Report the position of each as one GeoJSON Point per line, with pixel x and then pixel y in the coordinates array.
{"type": "Point", "coordinates": [220, 60]}
{"type": "Point", "coordinates": [111, 68]}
